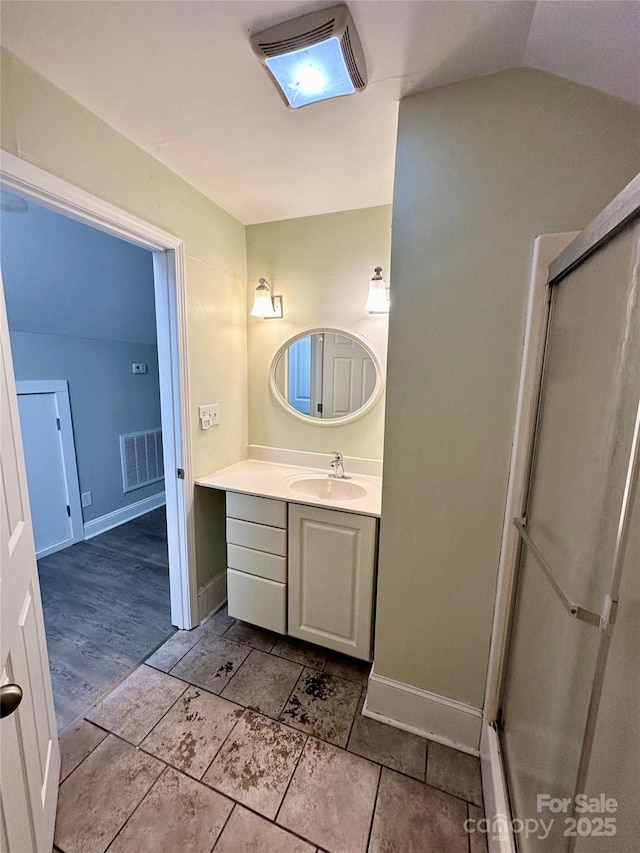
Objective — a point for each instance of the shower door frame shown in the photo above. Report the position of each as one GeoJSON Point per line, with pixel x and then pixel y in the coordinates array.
{"type": "Point", "coordinates": [555, 256]}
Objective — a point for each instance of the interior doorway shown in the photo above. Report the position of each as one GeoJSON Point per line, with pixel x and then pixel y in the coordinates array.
{"type": "Point", "coordinates": [34, 185]}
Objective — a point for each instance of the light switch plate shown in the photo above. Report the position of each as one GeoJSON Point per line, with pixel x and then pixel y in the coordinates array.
{"type": "Point", "coordinates": [209, 415]}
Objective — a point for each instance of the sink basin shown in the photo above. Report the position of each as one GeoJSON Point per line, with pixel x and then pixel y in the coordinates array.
{"type": "Point", "coordinates": [327, 489]}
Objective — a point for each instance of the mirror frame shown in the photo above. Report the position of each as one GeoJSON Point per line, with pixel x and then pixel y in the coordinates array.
{"type": "Point", "coordinates": [346, 419]}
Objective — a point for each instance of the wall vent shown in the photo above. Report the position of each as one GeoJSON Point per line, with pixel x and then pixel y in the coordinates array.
{"type": "Point", "coordinates": [141, 459]}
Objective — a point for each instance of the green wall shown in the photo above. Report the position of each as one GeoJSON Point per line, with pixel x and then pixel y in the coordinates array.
{"type": "Point", "coordinates": [322, 266]}
{"type": "Point", "coordinates": [482, 168]}
{"type": "Point", "coordinates": [46, 127]}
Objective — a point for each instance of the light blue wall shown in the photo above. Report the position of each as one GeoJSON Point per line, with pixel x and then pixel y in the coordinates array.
{"type": "Point", "coordinates": [81, 308]}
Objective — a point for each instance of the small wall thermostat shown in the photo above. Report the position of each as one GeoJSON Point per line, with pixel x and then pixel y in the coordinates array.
{"type": "Point", "coordinates": [139, 367]}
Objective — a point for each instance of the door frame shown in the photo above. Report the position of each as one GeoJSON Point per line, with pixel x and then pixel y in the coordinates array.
{"type": "Point", "coordinates": [169, 287]}
{"type": "Point", "coordinates": [554, 256]}
{"type": "Point", "coordinates": [60, 388]}
{"type": "Point", "coordinates": [546, 248]}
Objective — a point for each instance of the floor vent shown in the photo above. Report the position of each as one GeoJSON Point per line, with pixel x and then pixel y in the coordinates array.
{"type": "Point", "coordinates": [141, 457]}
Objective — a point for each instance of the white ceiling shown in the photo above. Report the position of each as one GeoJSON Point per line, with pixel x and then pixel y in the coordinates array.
{"type": "Point", "coordinates": [179, 79]}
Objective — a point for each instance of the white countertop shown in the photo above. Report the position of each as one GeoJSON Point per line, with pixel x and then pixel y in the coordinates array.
{"type": "Point", "coordinates": [273, 480]}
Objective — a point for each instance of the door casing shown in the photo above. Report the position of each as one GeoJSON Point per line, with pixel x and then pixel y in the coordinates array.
{"type": "Point", "coordinates": [169, 286]}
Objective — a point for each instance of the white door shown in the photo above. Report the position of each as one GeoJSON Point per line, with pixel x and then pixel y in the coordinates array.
{"type": "Point", "coordinates": [348, 376]}
{"type": "Point", "coordinates": [47, 440]}
{"type": "Point", "coordinates": [29, 751]}
{"type": "Point", "coordinates": [299, 381]}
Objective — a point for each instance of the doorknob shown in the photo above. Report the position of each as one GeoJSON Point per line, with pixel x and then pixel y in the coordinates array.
{"type": "Point", "coordinates": [10, 698]}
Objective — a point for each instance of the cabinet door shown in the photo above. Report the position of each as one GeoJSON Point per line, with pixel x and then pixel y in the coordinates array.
{"type": "Point", "coordinates": [332, 559]}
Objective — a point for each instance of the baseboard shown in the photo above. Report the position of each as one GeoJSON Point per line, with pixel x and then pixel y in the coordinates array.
{"type": "Point", "coordinates": [212, 596]}
{"type": "Point", "coordinates": [122, 515]}
{"type": "Point", "coordinates": [494, 791]}
{"type": "Point", "coordinates": [428, 714]}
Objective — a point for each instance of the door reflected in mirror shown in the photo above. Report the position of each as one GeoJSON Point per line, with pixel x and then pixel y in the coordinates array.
{"type": "Point", "coordinates": [326, 375]}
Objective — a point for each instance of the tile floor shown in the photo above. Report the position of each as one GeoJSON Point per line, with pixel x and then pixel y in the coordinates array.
{"type": "Point", "coordinates": [235, 740]}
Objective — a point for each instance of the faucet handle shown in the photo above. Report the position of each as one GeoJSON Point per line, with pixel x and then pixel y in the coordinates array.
{"type": "Point", "coordinates": [337, 457]}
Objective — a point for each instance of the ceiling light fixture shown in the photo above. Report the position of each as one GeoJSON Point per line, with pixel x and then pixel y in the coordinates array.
{"type": "Point", "coordinates": [265, 304]}
{"type": "Point", "coordinates": [314, 57]}
{"type": "Point", "coordinates": [378, 298]}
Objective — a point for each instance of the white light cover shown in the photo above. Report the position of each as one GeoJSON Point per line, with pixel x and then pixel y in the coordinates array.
{"type": "Point", "coordinates": [312, 74]}
{"type": "Point", "coordinates": [262, 304]}
{"type": "Point", "coordinates": [378, 299]}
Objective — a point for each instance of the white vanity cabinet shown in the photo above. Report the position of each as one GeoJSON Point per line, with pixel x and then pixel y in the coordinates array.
{"type": "Point", "coordinates": [332, 560]}
{"type": "Point", "coordinates": [257, 560]}
{"type": "Point", "coordinates": [302, 570]}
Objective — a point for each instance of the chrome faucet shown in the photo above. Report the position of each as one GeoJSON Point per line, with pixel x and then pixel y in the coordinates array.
{"type": "Point", "coordinates": [337, 463]}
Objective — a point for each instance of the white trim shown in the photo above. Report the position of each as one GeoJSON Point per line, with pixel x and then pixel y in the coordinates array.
{"type": "Point", "coordinates": [494, 793]}
{"type": "Point", "coordinates": [169, 276]}
{"type": "Point", "coordinates": [60, 388]}
{"type": "Point", "coordinates": [63, 197]}
{"type": "Point", "coordinates": [212, 596]}
{"type": "Point", "coordinates": [414, 710]}
{"type": "Point", "coordinates": [545, 249]}
{"type": "Point", "coordinates": [122, 515]}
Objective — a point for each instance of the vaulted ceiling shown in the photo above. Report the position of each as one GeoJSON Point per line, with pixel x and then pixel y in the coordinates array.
{"type": "Point", "coordinates": [179, 79]}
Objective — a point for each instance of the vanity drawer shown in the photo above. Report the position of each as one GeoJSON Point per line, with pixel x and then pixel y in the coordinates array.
{"type": "Point", "coordinates": [273, 540]}
{"type": "Point", "coordinates": [257, 601]}
{"type": "Point", "coordinates": [259, 510]}
{"type": "Point", "coordinates": [258, 563]}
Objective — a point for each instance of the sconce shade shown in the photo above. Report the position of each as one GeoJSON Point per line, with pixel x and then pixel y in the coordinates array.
{"type": "Point", "coordinates": [378, 298]}
{"type": "Point", "coordinates": [265, 305]}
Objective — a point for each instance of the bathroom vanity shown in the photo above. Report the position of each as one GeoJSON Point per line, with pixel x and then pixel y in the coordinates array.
{"type": "Point", "coordinates": [302, 551]}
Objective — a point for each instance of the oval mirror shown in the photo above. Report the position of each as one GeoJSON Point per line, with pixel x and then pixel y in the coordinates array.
{"type": "Point", "coordinates": [326, 376]}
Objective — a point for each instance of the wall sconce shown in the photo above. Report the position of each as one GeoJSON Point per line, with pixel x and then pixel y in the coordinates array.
{"type": "Point", "coordinates": [378, 299]}
{"type": "Point", "coordinates": [265, 304]}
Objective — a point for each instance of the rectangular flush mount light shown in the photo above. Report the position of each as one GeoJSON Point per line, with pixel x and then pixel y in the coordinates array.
{"type": "Point", "coordinates": [314, 57]}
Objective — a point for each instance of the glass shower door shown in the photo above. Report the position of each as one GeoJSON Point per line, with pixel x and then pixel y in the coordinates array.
{"type": "Point", "coordinates": [571, 538]}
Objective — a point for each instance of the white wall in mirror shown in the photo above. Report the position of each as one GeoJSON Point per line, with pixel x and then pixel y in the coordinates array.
{"type": "Point", "coordinates": [322, 266]}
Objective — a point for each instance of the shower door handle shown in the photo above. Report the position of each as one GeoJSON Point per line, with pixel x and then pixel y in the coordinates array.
{"type": "Point", "coordinates": [600, 620]}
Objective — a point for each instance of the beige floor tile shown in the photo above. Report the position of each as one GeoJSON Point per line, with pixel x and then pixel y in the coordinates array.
{"type": "Point", "coordinates": [300, 652]}
{"type": "Point", "coordinates": [349, 668]}
{"type": "Point", "coordinates": [251, 635]}
{"type": "Point", "coordinates": [392, 747]}
{"type": "Point", "coordinates": [98, 797]}
{"type": "Point", "coordinates": [219, 621]}
{"type": "Point", "coordinates": [455, 772]}
{"type": "Point", "coordinates": [323, 705]}
{"type": "Point", "coordinates": [263, 683]}
{"type": "Point", "coordinates": [245, 832]}
{"type": "Point", "coordinates": [256, 762]}
{"type": "Point", "coordinates": [76, 742]}
{"type": "Point", "coordinates": [211, 662]}
{"type": "Point", "coordinates": [136, 705]}
{"type": "Point", "coordinates": [174, 649]}
{"type": "Point", "coordinates": [177, 814]}
{"type": "Point", "coordinates": [331, 798]}
{"type": "Point", "coordinates": [477, 839]}
{"type": "Point", "coordinates": [413, 816]}
{"type": "Point", "coordinates": [191, 733]}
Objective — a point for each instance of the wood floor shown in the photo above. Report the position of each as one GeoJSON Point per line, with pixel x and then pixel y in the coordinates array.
{"type": "Point", "coordinates": [106, 607]}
